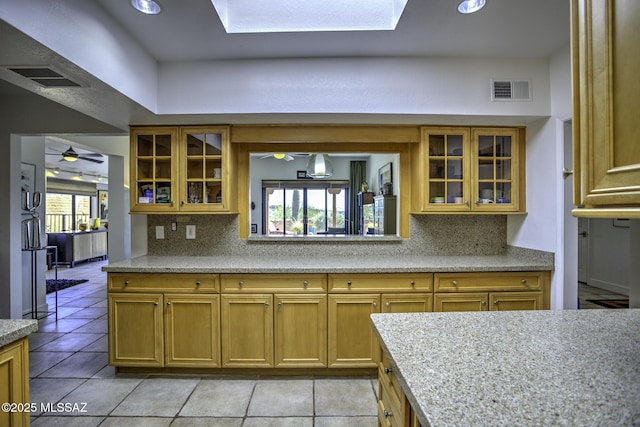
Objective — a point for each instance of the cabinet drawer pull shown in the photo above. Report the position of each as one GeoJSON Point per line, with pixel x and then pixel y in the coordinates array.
{"type": "Point", "coordinates": [126, 283]}
{"type": "Point", "coordinates": [524, 281]}
{"type": "Point", "coordinates": [305, 283]}
{"type": "Point", "coordinates": [455, 283]}
{"type": "Point", "coordinates": [198, 283]}
{"type": "Point", "coordinates": [241, 283]}
{"type": "Point", "coordinates": [413, 283]}
{"type": "Point", "coordinates": [349, 283]}
{"type": "Point", "coordinates": [387, 371]}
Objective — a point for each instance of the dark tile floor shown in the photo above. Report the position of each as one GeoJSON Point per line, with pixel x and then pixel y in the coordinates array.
{"type": "Point", "coordinates": [586, 292]}
{"type": "Point", "coordinates": [68, 364]}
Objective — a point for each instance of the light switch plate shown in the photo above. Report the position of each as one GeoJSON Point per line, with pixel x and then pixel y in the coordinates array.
{"type": "Point", "coordinates": [159, 231]}
{"type": "Point", "coordinates": [191, 231]}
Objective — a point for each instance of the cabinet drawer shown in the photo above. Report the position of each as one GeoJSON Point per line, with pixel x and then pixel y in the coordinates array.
{"type": "Point", "coordinates": [163, 282]}
{"type": "Point", "coordinates": [495, 281]}
{"type": "Point", "coordinates": [389, 381]}
{"type": "Point", "coordinates": [397, 282]}
{"type": "Point", "coordinates": [273, 282]}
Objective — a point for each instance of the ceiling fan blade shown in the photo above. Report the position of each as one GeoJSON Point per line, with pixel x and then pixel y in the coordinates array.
{"type": "Point", "coordinates": [288, 158]}
{"type": "Point", "coordinates": [92, 154]}
{"type": "Point", "coordinates": [266, 156]}
{"type": "Point", "coordinates": [90, 159]}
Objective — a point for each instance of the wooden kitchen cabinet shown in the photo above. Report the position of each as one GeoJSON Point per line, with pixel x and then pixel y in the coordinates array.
{"type": "Point", "coordinates": [300, 331]}
{"type": "Point", "coordinates": [247, 330]}
{"type": "Point", "coordinates": [352, 342]}
{"type": "Point", "coordinates": [182, 169]}
{"type": "Point", "coordinates": [255, 333]}
{"type": "Point", "coordinates": [158, 320]}
{"type": "Point", "coordinates": [14, 381]}
{"type": "Point", "coordinates": [469, 170]}
{"type": "Point", "coordinates": [135, 330]}
{"type": "Point", "coordinates": [192, 330]}
{"type": "Point", "coordinates": [354, 297]}
{"type": "Point", "coordinates": [606, 100]}
{"type": "Point", "coordinates": [491, 291]}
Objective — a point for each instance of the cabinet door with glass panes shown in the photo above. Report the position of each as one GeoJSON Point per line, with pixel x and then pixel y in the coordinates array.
{"type": "Point", "coordinates": [204, 169]}
{"type": "Point", "coordinates": [495, 169]}
{"type": "Point", "coordinates": [154, 165]}
{"type": "Point", "coordinates": [446, 169]}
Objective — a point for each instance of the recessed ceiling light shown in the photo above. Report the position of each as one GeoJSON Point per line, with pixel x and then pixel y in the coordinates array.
{"type": "Point", "coordinates": [470, 6]}
{"type": "Point", "coordinates": [273, 16]}
{"type": "Point", "coordinates": [149, 7]}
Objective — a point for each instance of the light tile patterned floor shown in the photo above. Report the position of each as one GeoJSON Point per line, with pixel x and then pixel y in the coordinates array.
{"type": "Point", "coordinates": [68, 364]}
{"type": "Point", "coordinates": [586, 292]}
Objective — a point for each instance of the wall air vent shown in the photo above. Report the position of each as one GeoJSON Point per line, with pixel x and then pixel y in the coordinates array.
{"type": "Point", "coordinates": [511, 90]}
{"type": "Point", "coordinates": [44, 76]}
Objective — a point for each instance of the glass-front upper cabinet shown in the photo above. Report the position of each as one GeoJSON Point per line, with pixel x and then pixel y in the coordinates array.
{"type": "Point", "coordinates": [469, 170]}
{"type": "Point", "coordinates": [204, 169]}
{"type": "Point", "coordinates": [446, 167]}
{"type": "Point", "coordinates": [180, 169]}
{"type": "Point", "coordinates": [154, 168]}
{"type": "Point", "coordinates": [495, 168]}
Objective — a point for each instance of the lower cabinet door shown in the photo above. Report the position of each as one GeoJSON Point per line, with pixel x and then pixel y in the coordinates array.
{"type": "Point", "coordinates": [135, 330]}
{"type": "Point", "coordinates": [471, 301]}
{"type": "Point", "coordinates": [407, 303]}
{"type": "Point", "coordinates": [300, 330]}
{"type": "Point", "coordinates": [352, 342]}
{"type": "Point", "coordinates": [515, 301]}
{"type": "Point", "coordinates": [191, 330]}
{"type": "Point", "coordinates": [247, 330]}
{"type": "Point", "coordinates": [14, 381]}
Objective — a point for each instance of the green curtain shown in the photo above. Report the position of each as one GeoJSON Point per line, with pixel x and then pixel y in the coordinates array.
{"type": "Point", "coordinates": [357, 177]}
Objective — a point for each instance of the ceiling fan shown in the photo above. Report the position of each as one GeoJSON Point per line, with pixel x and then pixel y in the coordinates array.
{"type": "Point", "coordinates": [280, 156]}
{"type": "Point", "coordinates": [70, 155]}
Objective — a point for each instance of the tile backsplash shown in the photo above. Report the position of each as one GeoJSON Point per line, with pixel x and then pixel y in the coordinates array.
{"type": "Point", "coordinates": [430, 235]}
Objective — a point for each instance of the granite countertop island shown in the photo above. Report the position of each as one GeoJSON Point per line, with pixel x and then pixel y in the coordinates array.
{"type": "Point", "coordinates": [331, 264]}
{"type": "Point", "coordinates": [13, 329]}
{"type": "Point", "coordinates": [525, 368]}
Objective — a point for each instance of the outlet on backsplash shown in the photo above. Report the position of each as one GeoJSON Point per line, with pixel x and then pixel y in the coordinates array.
{"type": "Point", "coordinates": [191, 231]}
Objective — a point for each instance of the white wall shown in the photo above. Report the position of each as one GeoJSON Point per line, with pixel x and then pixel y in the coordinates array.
{"type": "Point", "coordinates": [609, 260]}
{"type": "Point", "coordinates": [439, 86]}
{"type": "Point", "coordinates": [543, 226]}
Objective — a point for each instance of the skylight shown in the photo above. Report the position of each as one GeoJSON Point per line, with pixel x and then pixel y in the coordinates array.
{"type": "Point", "coordinates": [259, 16]}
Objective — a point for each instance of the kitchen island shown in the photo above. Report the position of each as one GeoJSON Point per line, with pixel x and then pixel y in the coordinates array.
{"type": "Point", "coordinates": [526, 368]}
{"type": "Point", "coordinates": [14, 369]}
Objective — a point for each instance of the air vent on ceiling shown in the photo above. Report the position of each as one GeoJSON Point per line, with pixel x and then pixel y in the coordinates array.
{"type": "Point", "coordinates": [44, 76]}
{"type": "Point", "coordinates": [511, 90]}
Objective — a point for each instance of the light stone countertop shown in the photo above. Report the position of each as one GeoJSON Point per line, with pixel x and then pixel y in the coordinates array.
{"type": "Point", "coordinates": [13, 329]}
{"type": "Point", "coordinates": [328, 264]}
{"type": "Point", "coordinates": [518, 368]}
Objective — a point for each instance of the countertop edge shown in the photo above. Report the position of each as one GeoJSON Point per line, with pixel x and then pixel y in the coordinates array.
{"type": "Point", "coordinates": [12, 330]}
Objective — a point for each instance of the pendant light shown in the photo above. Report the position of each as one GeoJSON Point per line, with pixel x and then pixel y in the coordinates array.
{"type": "Point", "coordinates": [319, 166]}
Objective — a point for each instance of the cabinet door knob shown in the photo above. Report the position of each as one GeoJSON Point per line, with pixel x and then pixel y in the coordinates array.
{"type": "Point", "coordinates": [495, 302]}
{"type": "Point", "coordinates": [387, 371]}
{"type": "Point", "coordinates": [413, 283]}
{"type": "Point", "coordinates": [155, 303]}
{"type": "Point", "coordinates": [455, 283]}
{"type": "Point", "coordinates": [126, 283]}
{"type": "Point", "coordinates": [483, 302]}
{"type": "Point", "coordinates": [387, 414]}
{"type": "Point", "coordinates": [349, 283]}
{"type": "Point", "coordinates": [198, 283]}
{"type": "Point", "coordinates": [305, 283]}
{"type": "Point", "coordinates": [388, 304]}
{"type": "Point", "coordinates": [241, 283]}
{"type": "Point", "coordinates": [266, 305]}
{"type": "Point", "coordinates": [173, 203]}
{"type": "Point", "coordinates": [168, 303]}
{"type": "Point", "coordinates": [524, 281]}
{"type": "Point", "coordinates": [375, 304]}
{"type": "Point", "coordinates": [279, 305]}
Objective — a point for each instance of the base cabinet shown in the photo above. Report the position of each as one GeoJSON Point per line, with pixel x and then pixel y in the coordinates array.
{"type": "Point", "coordinates": [14, 381]}
{"type": "Point", "coordinates": [179, 327]}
